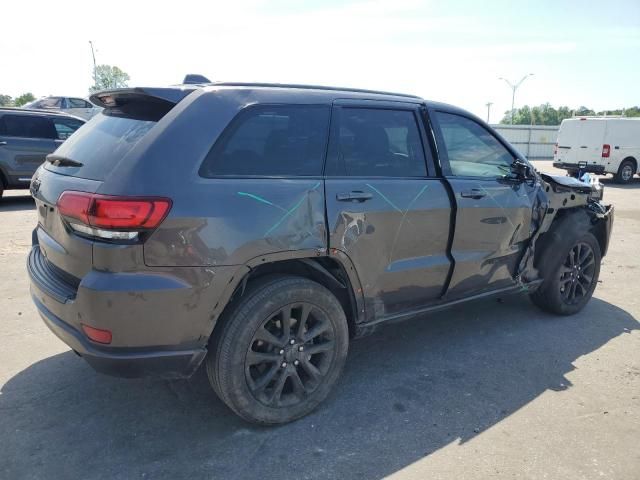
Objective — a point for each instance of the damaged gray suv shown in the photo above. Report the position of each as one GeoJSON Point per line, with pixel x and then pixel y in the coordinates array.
{"type": "Point", "coordinates": [260, 228]}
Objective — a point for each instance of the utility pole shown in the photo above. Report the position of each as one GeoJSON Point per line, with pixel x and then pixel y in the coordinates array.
{"type": "Point", "coordinates": [95, 77]}
{"type": "Point", "coordinates": [488, 104]}
{"type": "Point", "coordinates": [514, 87]}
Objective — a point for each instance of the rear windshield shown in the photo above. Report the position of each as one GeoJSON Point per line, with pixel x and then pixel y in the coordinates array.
{"type": "Point", "coordinates": [101, 143]}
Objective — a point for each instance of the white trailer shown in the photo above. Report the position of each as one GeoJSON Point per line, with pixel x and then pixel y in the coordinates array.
{"type": "Point", "coordinates": [599, 145]}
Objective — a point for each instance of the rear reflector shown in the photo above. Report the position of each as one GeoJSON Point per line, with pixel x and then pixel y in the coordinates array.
{"type": "Point", "coordinates": [606, 150]}
{"type": "Point", "coordinates": [96, 334]}
{"type": "Point", "coordinates": [112, 217]}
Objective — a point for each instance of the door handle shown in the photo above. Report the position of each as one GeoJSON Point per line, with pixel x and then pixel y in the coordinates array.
{"type": "Point", "coordinates": [354, 196]}
{"type": "Point", "coordinates": [473, 193]}
{"type": "Point", "coordinates": [3, 143]}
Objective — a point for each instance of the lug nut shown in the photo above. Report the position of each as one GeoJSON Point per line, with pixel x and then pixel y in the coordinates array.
{"type": "Point", "coordinates": [292, 341]}
{"type": "Point", "coordinates": [281, 352]}
{"type": "Point", "coordinates": [301, 348]}
{"type": "Point", "coordinates": [296, 363]}
{"type": "Point", "coordinates": [284, 364]}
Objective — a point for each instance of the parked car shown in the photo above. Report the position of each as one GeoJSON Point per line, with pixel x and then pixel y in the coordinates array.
{"type": "Point", "coordinates": [599, 145]}
{"type": "Point", "coordinates": [260, 228]}
{"type": "Point", "coordinates": [76, 106]}
{"type": "Point", "coordinates": [26, 138]}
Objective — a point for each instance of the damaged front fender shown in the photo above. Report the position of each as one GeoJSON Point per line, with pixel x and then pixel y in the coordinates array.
{"type": "Point", "coordinates": [563, 199]}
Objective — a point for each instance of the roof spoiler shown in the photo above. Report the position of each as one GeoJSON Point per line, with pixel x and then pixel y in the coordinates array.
{"type": "Point", "coordinates": [195, 79]}
{"type": "Point", "coordinates": [122, 96]}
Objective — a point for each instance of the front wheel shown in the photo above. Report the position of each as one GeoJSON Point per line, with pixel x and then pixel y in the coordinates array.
{"type": "Point", "coordinates": [280, 350]}
{"type": "Point", "coordinates": [568, 286]}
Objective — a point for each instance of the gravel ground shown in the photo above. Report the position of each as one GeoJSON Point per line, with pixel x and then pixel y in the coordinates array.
{"type": "Point", "coordinates": [495, 389]}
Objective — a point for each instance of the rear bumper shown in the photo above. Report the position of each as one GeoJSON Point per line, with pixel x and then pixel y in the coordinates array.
{"type": "Point", "coordinates": [123, 362]}
{"type": "Point", "coordinates": [160, 322]}
{"type": "Point", "coordinates": [597, 169]}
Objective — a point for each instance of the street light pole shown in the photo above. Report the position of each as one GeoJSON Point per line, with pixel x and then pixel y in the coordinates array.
{"type": "Point", "coordinates": [514, 87]}
{"type": "Point", "coordinates": [488, 104]}
{"type": "Point", "coordinates": [95, 78]}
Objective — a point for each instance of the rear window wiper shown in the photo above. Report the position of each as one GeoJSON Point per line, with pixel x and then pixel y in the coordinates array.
{"type": "Point", "coordinates": [60, 161]}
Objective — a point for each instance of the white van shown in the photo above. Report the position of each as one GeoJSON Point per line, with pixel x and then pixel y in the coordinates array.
{"type": "Point", "coordinates": [599, 145]}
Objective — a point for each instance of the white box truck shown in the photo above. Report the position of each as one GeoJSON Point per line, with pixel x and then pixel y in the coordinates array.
{"type": "Point", "coordinates": [599, 145]}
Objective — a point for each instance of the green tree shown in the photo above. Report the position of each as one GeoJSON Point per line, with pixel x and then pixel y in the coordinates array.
{"type": "Point", "coordinates": [5, 100]}
{"type": "Point", "coordinates": [107, 77]}
{"type": "Point", "coordinates": [23, 99]}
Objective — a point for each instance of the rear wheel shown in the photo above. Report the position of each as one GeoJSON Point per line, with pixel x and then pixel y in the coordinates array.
{"type": "Point", "coordinates": [568, 286]}
{"type": "Point", "coordinates": [279, 351]}
{"type": "Point", "coordinates": [626, 172]}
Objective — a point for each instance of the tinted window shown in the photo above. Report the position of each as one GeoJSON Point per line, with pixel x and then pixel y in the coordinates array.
{"type": "Point", "coordinates": [471, 149]}
{"type": "Point", "coordinates": [27, 126]}
{"type": "Point", "coordinates": [271, 140]}
{"type": "Point", "coordinates": [77, 103]}
{"type": "Point", "coordinates": [66, 126]}
{"type": "Point", "coordinates": [50, 102]}
{"type": "Point", "coordinates": [376, 142]}
{"type": "Point", "coordinates": [101, 144]}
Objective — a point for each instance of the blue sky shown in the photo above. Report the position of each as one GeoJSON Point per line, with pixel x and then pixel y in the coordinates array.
{"type": "Point", "coordinates": [581, 52]}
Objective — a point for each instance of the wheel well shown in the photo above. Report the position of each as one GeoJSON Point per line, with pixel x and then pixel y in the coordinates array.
{"type": "Point", "coordinates": [634, 161]}
{"type": "Point", "coordinates": [578, 219]}
{"type": "Point", "coordinates": [326, 271]}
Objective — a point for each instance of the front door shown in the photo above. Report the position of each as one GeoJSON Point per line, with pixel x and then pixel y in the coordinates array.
{"type": "Point", "coordinates": [384, 211]}
{"type": "Point", "coordinates": [493, 211]}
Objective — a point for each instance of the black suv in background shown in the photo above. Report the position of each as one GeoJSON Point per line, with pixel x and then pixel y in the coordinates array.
{"type": "Point", "coordinates": [26, 138]}
{"type": "Point", "coordinates": [259, 228]}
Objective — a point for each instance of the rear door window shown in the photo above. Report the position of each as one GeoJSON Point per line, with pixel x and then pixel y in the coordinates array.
{"type": "Point", "coordinates": [27, 126]}
{"type": "Point", "coordinates": [77, 103]}
{"type": "Point", "coordinates": [378, 143]}
{"type": "Point", "coordinates": [271, 140]}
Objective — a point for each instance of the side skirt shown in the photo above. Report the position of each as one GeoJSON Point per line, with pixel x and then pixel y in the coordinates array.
{"type": "Point", "coordinates": [369, 327]}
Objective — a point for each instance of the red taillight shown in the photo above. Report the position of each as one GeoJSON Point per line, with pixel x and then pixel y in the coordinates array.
{"type": "Point", "coordinates": [96, 334]}
{"type": "Point", "coordinates": [114, 213]}
{"type": "Point", "coordinates": [606, 150]}
{"type": "Point", "coordinates": [75, 205]}
{"type": "Point", "coordinates": [106, 212]}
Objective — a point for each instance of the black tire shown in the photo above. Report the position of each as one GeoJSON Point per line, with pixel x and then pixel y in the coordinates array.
{"type": "Point", "coordinates": [256, 369]}
{"type": "Point", "coordinates": [626, 171]}
{"type": "Point", "coordinates": [571, 280]}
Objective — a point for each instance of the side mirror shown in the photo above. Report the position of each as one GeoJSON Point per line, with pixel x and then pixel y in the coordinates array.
{"type": "Point", "coordinates": [521, 170]}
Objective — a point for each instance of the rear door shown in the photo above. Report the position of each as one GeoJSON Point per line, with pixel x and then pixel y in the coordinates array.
{"type": "Point", "coordinates": [97, 150]}
{"type": "Point", "coordinates": [25, 141]}
{"type": "Point", "coordinates": [590, 141]}
{"type": "Point", "coordinates": [567, 150]}
{"type": "Point", "coordinates": [385, 209]}
{"type": "Point", "coordinates": [493, 214]}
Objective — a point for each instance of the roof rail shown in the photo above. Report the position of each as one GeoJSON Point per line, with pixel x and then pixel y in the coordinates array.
{"type": "Point", "coordinates": [310, 87]}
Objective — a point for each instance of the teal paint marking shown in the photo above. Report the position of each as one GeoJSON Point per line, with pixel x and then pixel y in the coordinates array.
{"type": "Point", "coordinates": [291, 210]}
{"type": "Point", "coordinates": [260, 199]}
{"type": "Point", "coordinates": [384, 197]}
{"type": "Point", "coordinates": [404, 217]}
